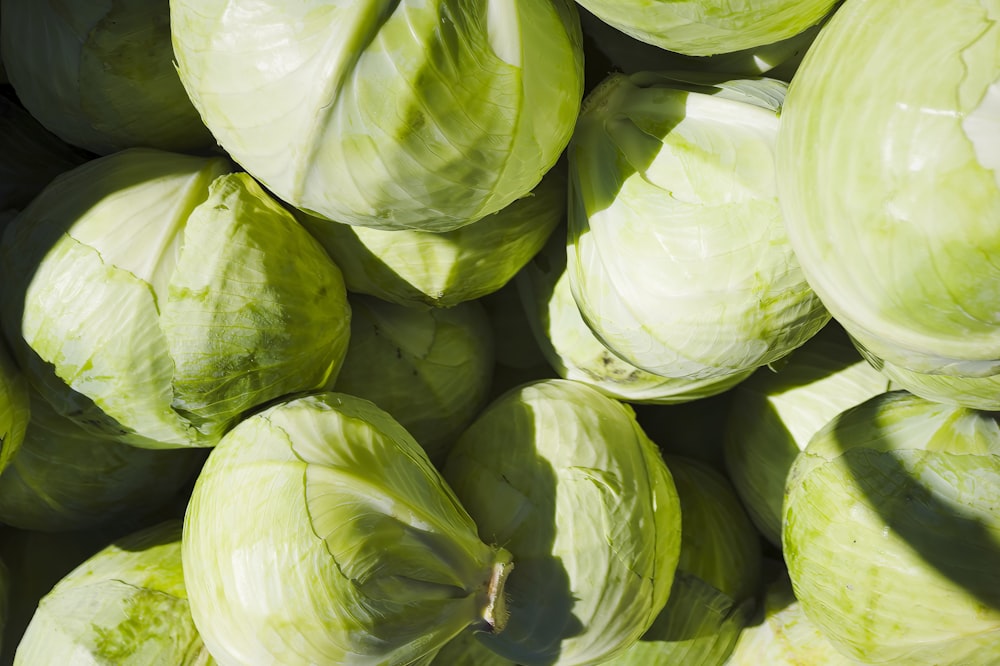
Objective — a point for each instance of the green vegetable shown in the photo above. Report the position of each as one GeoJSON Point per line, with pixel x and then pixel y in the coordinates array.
{"type": "Point", "coordinates": [708, 27]}
{"type": "Point", "coordinates": [888, 171]}
{"type": "Point", "coordinates": [421, 114]}
{"type": "Point", "coordinates": [717, 575]}
{"type": "Point", "coordinates": [319, 532]}
{"type": "Point", "coordinates": [431, 369]}
{"type": "Point", "coordinates": [442, 269]}
{"type": "Point", "coordinates": [781, 634]}
{"type": "Point", "coordinates": [195, 298]}
{"type": "Point", "coordinates": [574, 352]}
{"type": "Point", "coordinates": [891, 532]}
{"type": "Point", "coordinates": [125, 605]}
{"type": "Point", "coordinates": [99, 74]}
{"type": "Point", "coordinates": [775, 413]}
{"type": "Point", "coordinates": [567, 481]}
{"type": "Point", "coordinates": [677, 254]}
{"type": "Point", "coordinates": [66, 478]}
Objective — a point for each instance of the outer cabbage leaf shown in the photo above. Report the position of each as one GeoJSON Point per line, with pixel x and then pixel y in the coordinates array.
{"type": "Point", "coordinates": [194, 298]}
{"type": "Point", "coordinates": [774, 414]}
{"type": "Point", "coordinates": [780, 634]}
{"type": "Point", "coordinates": [442, 269]}
{"type": "Point", "coordinates": [574, 352]}
{"type": "Point", "coordinates": [66, 478]}
{"type": "Point", "coordinates": [717, 576]}
{"type": "Point", "coordinates": [431, 369]}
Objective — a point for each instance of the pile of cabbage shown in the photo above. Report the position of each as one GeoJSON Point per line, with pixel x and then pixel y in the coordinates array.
{"type": "Point", "coordinates": [500, 332]}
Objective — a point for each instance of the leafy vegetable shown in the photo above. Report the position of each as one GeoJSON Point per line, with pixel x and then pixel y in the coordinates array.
{"type": "Point", "coordinates": [421, 114]}
{"type": "Point", "coordinates": [195, 298]}
{"type": "Point", "coordinates": [319, 532]}
{"type": "Point", "coordinates": [887, 168]}
{"type": "Point", "coordinates": [565, 479]}
{"type": "Point", "coordinates": [891, 532]}
{"type": "Point", "coordinates": [99, 74]}
{"type": "Point", "coordinates": [126, 605]}
{"type": "Point", "coordinates": [677, 254]}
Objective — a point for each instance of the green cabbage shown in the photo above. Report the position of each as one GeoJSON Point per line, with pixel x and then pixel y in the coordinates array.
{"type": "Point", "coordinates": [320, 533]}
{"type": "Point", "coordinates": [774, 414]}
{"type": "Point", "coordinates": [126, 605]}
{"type": "Point", "coordinates": [421, 114]}
{"type": "Point", "coordinates": [717, 576]}
{"type": "Point", "coordinates": [66, 478]}
{"type": "Point", "coordinates": [442, 269]}
{"type": "Point", "coordinates": [888, 172]}
{"type": "Point", "coordinates": [567, 481]}
{"type": "Point", "coordinates": [677, 253]}
{"type": "Point", "coordinates": [708, 27]}
{"type": "Point", "coordinates": [195, 298]}
{"type": "Point", "coordinates": [99, 74]}
{"type": "Point", "coordinates": [574, 352]}
{"type": "Point", "coordinates": [430, 368]}
{"type": "Point", "coordinates": [891, 532]}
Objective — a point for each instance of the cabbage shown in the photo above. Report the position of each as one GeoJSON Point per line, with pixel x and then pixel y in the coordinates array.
{"type": "Point", "coordinates": [442, 269]}
{"type": "Point", "coordinates": [568, 482]}
{"type": "Point", "coordinates": [30, 156]}
{"type": "Point", "coordinates": [99, 74]}
{"type": "Point", "coordinates": [195, 298]}
{"type": "Point", "coordinates": [780, 634]}
{"type": "Point", "coordinates": [431, 369]}
{"type": "Point", "coordinates": [888, 174]}
{"type": "Point", "coordinates": [891, 532]}
{"type": "Point", "coordinates": [126, 604]}
{"type": "Point", "coordinates": [66, 478]}
{"type": "Point", "coordinates": [677, 254]}
{"type": "Point", "coordinates": [319, 533]}
{"type": "Point", "coordinates": [421, 114]}
{"type": "Point", "coordinates": [15, 410]}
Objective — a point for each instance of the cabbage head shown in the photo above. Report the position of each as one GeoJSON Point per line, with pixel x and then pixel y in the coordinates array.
{"type": "Point", "coordinates": [195, 297]}
{"type": "Point", "coordinates": [99, 74]}
{"type": "Point", "coordinates": [780, 634]}
{"type": "Point", "coordinates": [442, 269]}
{"type": "Point", "coordinates": [65, 477]}
{"type": "Point", "coordinates": [891, 532]}
{"type": "Point", "coordinates": [677, 252]}
{"type": "Point", "coordinates": [430, 368]}
{"type": "Point", "coordinates": [564, 477]}
{"type": "Point", "coordinates": [421, 114]}
{"type": "Point", "coordinates": [320, 533]}
{"type": "Point", "coordinates": [126, 604]}
{"type": "Point", "coordinates": [889, 175]}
